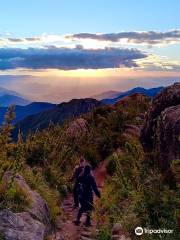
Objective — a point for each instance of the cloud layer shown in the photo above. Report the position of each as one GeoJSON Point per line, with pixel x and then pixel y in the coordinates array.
{"type": "Point", "coordinates": [90, 51]}
{"type": "Point", "coordinates": [68, 58]}
{"type": "Point", "coordinates": [13, 40]}
{"type": "Point", "coordinates": [146, 37]}
{"type": "Point", "coordinates": [129, 38]}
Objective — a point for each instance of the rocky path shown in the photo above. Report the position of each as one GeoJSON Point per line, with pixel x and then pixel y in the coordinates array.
{"type": "Point", "coordinates": [67, 230]}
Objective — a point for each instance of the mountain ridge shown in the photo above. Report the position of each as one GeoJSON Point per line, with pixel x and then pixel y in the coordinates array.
{"type": "Point", "coordinates": [24, 111]}
{"type": "Point", "coordinates": [8, 100]}
{"type": "Point", "coordinates": [107, 94]}
{"type": "Point", "coordinates": [10, 97]}
{"type": "Point", "coordinates": [57, 115]}
{"type": "Point", "coordinates": [4, 91]}
{"type": "Point", "coordinates": [150, 92]}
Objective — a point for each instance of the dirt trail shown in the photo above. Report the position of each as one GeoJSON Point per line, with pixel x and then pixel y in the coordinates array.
{"type": "Point", "coordinates": [68, 230]}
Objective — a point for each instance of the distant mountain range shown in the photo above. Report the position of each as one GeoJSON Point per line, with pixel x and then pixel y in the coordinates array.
{"type": "Point", "coordinates": [105, 95]}
{"type": "Point", "coordinates": [8, 100]}
{"type": "Point", "coordinates": [8, 97]}
{"type": "Point", "coordinates": [24, 111]}
{"type": "Point", "coordinates": [38, 115]}
{"type": "Point", "coordinates": [56, 115]}
{"type": "Point", "coordinates": [148, 92]}
{"type": "Point", "coordinates": [4, 91]}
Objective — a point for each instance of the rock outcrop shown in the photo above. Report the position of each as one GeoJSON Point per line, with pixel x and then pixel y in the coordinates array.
{"type": "Point", "coordinates": [161, 132]}
{"type": "Point", "coordinates": [33, 223]}
{"type": "Point", "coordinates": [132, 130]}
{"type": "Point", "coordinates": [135, 99]}
{"type": "Point", "coordinates": [118, 233]}
{"type": "Point", "coordinates": [77, 127]}
{"type": "Point", "coordinates": [20, 226]}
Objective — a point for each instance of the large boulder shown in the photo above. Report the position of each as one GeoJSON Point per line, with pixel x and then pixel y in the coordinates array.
{"type": "Point", "coordinates": [20, 226]}
{"type": "Point", "coordinates": [35, 219]}
{"type": "Point", "coordinates": [161, 132]}
{"type": "Point", "coordinates": [167, 134]}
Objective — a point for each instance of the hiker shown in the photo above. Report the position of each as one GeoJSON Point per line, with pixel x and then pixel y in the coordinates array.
{"type": "Point", "coordinates": [78, 171]}
{"type": "Point", "coordinates": [88, 187]}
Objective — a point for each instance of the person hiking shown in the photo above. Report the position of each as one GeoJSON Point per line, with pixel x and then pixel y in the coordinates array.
{"type": "Point", "coordinates": [78, 171]}
{"type": "Point", "coordinates": [86, 199]}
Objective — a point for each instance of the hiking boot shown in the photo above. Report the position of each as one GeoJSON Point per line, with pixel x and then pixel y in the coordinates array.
{"type": "Point", "coordinates": [75, 206]}
{"type": "Point", "coordinates": [88, 224]}
{"type": "Point", "coordinates": [76, 222]}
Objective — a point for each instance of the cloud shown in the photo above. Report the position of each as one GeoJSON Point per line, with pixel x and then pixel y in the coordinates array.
{"type": "Point", "coordinates": [21, 40]}
{"type": "Point", "coordinates": [156, 63]}
{"type": "Point", "coordinates": [8, 41]}
{"type": "Point", "coordinates": [146, 37]}
{"type": "Point", "coordinates": [32, 39]}
{"type": "Point", "coordinates": [68, 58]}
{"type": "Point", "coordinates": [16, 40]}
{"type": "Point", "coordinates": [95, 40]}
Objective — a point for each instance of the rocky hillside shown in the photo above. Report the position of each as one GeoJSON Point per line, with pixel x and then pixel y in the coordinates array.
{"type": "Point", "coordinates": [135, 192]}
{"type": "Point", "coordinates": [30, 224]}
{"type": "Point", "coordinates": [57, 115]}
{"type": "Point", "coordinates": [161, 131]}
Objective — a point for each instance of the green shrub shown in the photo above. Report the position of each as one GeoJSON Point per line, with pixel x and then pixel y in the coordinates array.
{"type": "Point", "coordinates": [105, 144]}
{"type": "Point", "coordinates": [49, 194]}
{"type": "Point", "coordinates": [104, 234]}
{"type": "Point", "coordinates": [92, 156]}
{"type": "Point", "coordinates": [175, 167]}
{"type": "Point", "coordinates": [2, 237]}
{"type": "Point", "coordinates": [111, 165]}
{"type": "Point", "coordinates": [15, 198]}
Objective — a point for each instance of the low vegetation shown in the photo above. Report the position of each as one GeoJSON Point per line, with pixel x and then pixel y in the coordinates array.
{"type": "Point", "coordinates": [49, 157]}
{"type": "Point", "coordinates": [135, 194]}
{"type": "Point", "coordinates": [138, 194]}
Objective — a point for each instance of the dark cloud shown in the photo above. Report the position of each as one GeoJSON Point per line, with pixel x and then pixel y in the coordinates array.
{"type": "Point", "coordinates": [16, 40]}
{"type": "Point", "coordinates": [32, 39]}
{"type": "Point", "coordinates": [21, 40]}
{"type": "Point", "coordinates": [67, 58]}
{"type": "Point", "coordinates": [149, 37]}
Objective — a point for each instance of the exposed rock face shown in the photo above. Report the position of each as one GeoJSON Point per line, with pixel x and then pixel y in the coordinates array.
{"type": "Point", "coordinates": [34, 223]}
{"type": "Point", "coordinates": [167, 136]}
{"type": "Point", "coordinates": [117, 229]}
{"type": "Point", "coordinates": [77, 127]}
{"type": "Point", "coordinates": [133, 130]}
{"type": "Point", "coordinates": [20, 226]}
{"type": "Point", "coordinates": [161, 132]}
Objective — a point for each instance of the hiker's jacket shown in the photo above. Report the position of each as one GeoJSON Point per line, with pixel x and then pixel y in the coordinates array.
{"type": "Point", "coordinates": [77, 173]}
{"type": "Point", "coordinates": [89, 186]}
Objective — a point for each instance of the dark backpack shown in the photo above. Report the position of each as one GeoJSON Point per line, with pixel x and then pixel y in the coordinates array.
{"type": "Point", "coordinates": [78, 177]}
{"type": "Point", "coordinates": [78, 171]}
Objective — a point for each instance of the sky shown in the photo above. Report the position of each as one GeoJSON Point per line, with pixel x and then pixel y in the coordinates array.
{"type": "Point", "coordinates": [55, 50]}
